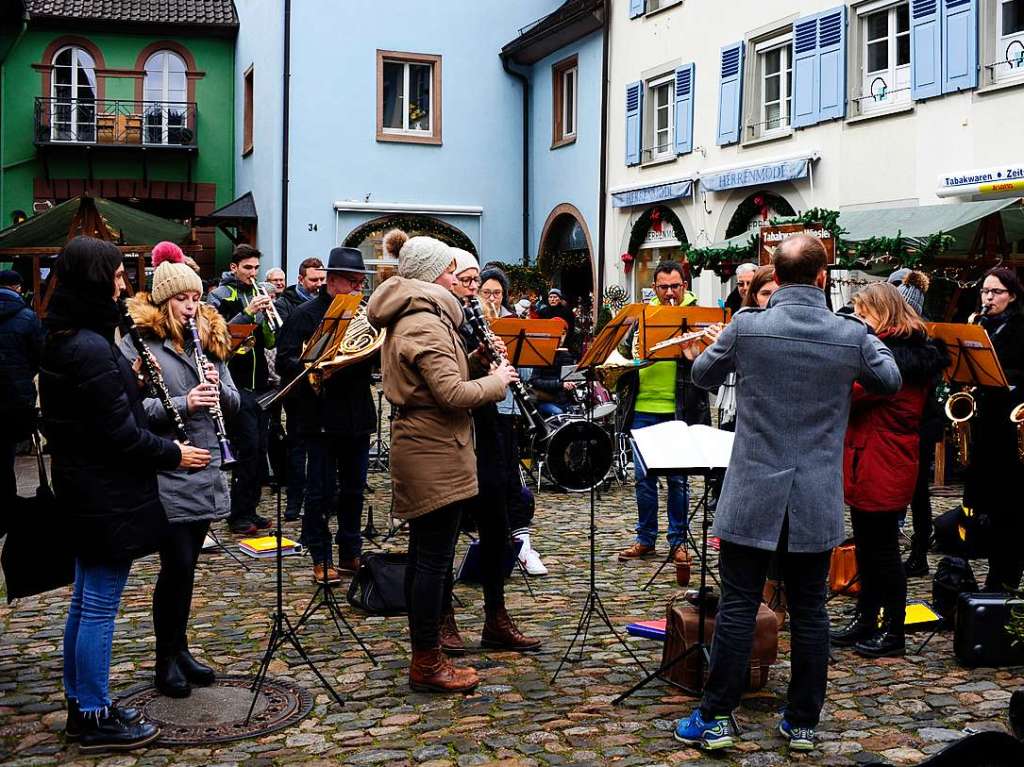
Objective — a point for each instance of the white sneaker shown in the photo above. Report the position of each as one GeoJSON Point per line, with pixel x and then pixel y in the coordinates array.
{"type": "Point", "coordinates": [531, 562]}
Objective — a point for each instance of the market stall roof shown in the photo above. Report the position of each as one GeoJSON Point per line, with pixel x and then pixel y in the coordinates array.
{"type": "Point", "coordinates": [242, 209]}
{"type": "Point", "coordinates": [127, 225]}
{"type": "Point", "coordinates": [915, 224]}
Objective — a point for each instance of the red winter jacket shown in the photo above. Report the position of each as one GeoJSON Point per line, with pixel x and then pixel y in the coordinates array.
{"type": "Point", "coordinates": [881, 451]}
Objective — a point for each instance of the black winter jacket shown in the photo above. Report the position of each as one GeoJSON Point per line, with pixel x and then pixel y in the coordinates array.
{"type": "Point", "coordinates": [105, 461]}
{"type": "Point", "coordinates": [345, 404]}
{"type": "Point", "coordinates": [289, 301]}
{"type": "Point", "coordinates": [21, 339]}
{"type": "Point", "coordinates": [547, 381]}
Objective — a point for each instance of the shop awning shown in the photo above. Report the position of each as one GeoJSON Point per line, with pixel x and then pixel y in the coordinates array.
{"type": "Point", "coordinates": [917, 223]}
{"type": "Point", "coordinates": [770, 171]}
{"type": "Point", "coordinates": [628, 197]}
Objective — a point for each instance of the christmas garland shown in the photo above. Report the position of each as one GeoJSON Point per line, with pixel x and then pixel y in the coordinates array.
{"type": "Point", "coordinates": [523, 279]}
{"type": "Point", "coordinates": [447, 233]}
{"type": "Point", "coordinates": [552, 261]}
{"type": "Point", "coordinates": [653, 218]}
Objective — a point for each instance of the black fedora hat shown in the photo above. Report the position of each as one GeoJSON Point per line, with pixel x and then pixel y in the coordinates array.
{"type": "Point", "coordinates": [347, 260]}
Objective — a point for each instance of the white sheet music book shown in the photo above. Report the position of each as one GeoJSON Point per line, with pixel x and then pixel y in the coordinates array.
{"type": "Point", "coordinates": [674, 446]}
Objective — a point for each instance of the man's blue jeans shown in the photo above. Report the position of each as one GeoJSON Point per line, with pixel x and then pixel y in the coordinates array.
{"type": "Point", "coordinates": [89, 632]}
{"type": "Point", "coordinates": [647, 495]}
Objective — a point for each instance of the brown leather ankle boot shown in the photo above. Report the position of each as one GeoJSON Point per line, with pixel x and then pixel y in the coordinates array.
{"type": "Point", "coordinates": [431, 671]}
{"type": "Point", "coordinates": [451, 640]}
{"type": "Point", "coordinates": [500, 633]}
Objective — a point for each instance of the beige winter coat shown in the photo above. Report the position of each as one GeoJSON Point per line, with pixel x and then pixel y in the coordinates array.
{"type": "Point", "coordinates": [426, 374]}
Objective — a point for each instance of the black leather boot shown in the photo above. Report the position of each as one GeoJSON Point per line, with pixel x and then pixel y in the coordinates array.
{"type": "Point", "coordinates": [862, 626]}
{"type": "Point", "coordinates": [73, 725]}
{"type": "Point", "coordinates": [169, 679]}
{"type": "Point", "coordinates": [887, 642]}
{"type": "Point", "coordinates": [195, 672]}
{"type": "Point", "coordinates": [916, 565]}
{"type": "Point", "coordinates": [107, 731]}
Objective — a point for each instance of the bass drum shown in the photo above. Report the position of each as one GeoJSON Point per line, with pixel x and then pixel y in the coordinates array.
{"type": "Point", "coordinates": [578, 454]}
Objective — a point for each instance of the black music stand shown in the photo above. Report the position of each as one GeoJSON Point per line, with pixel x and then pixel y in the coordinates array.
{"type": "Point", "coordinates": [604, 343]}
{"type": "Point", "coordinates": [712, 465]}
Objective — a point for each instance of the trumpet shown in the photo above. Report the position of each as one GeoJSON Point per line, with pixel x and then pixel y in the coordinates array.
{"type": "Point", "coordinates": [1017, 418]}
{"type": "Point", "coordinates": [227, 458]}
{"type": "Point", "coordinates": [273, 318]}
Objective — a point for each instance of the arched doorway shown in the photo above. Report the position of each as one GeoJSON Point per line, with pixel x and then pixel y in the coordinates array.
{"type": "Point", "coordinates": [657, 235]}
{"type": "Point", "coordinates": [368, 238]}
{"type": "Point", "coordinates": [565, 259]}
{"type": "Point", "coordinates": [756, 211]}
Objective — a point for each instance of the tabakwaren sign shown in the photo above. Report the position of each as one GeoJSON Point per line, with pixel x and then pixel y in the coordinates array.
{"type": "Point", "coordinates": [772, 236]}
{"type": "Point", "coordinates": [1005, 180]}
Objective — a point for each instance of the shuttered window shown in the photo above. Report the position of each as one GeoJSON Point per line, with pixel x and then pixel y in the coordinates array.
{"type": "Point", "coordinates": [684, 108]}
{"type": "Point", "coordinates": [730, 94]}
{"type": "Point", "coordinates": [634, 122]}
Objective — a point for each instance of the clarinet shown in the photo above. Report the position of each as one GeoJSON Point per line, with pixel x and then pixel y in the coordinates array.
{"type": "Point", "coordinates": [227, 458]}
{"type": "Point", "coordinates": [522, 397]}
{"type": "Point", "coordinates": [153, 376]}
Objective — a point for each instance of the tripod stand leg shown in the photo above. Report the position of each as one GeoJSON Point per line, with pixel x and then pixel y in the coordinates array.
{"type": "Point", "coordinates": [339, 619]}
{"type": "Point", "coordinates": [603, 613]}
{"type": "Point", "coordinates": [575, 637]}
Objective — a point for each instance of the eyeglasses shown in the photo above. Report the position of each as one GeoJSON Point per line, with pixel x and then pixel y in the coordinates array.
{"type": "Point", "coordinates": [492, 293]}
{"type": "Point", "coordinates": [467, 281]}
{"type": "Point", "coordinates": [993, 291]}
{"type": "Point", "coordinates": [673, 286]}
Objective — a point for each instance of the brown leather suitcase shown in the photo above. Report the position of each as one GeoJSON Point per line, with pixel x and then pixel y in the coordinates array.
{"type": "Point", "coordinates": [681, 632]}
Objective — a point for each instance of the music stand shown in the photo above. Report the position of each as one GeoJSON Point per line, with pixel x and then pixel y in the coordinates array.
{"type": "Point", "coordinates": [673, 447]}
{"type": "Point", "coordinates": [240, 333]}
{"type": "Point", "coordinates": [529, 343]}
{"type": "Point", "coordinates": [604, 343]}
{"type": "Point", "coordinates": [973, 359]}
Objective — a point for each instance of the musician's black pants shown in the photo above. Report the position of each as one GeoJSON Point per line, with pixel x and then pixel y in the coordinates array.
{"type": "Point", "coordinates": [921, 504]}
{"type": "Point", "coordinates": [248, 429]}
{"type": "Point", "coordinates": [883, 583]}
{"type": "Point", "coordinates": [432, 540]}
{"type": "Point", "coordinates": [519, 503]}
{"type": "Point", "coordinates": [172, 597]}
{"type": "Point", "coordinates": [335, 485]}
{"type": "Point", "coordinates": [742, 570]}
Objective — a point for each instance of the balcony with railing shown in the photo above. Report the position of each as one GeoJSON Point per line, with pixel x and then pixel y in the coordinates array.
{"type": "Point", "coordinates": [115, 123]}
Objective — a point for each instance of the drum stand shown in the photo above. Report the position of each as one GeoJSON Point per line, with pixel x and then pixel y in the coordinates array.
{"type": "Point", "coordinates": [593, 603]}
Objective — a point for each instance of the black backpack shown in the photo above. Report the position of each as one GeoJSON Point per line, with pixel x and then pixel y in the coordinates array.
{"type": "Point", "coordinates": [953, 577]}
{"type": "Point", "coordinates": [378, 587]}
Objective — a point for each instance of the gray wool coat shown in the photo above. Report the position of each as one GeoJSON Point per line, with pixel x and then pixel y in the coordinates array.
{"type": "Point", "coordinates": [203, 495]}
{"type": "Point", "coordinates": [795, 362]}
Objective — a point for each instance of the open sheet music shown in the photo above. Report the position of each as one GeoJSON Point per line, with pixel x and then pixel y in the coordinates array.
{"type": "Point", "coordinates": [674, 446]}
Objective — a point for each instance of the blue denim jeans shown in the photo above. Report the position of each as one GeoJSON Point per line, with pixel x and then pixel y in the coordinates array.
{"type": "Point", "coordinates": [647, 495]}
{"type": "Point", "coordinates": [89, 632]}
{"type": "Point", "coordinates": [549, 409]}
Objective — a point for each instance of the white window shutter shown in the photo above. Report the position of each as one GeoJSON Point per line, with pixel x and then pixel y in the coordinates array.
{"type": "Point", "coordinates": [959, 45]}
{"type": "Point", "coordinates": [730, 94]}
{"type": "Point", "coordinates": [925, 49]}
{"type": "Point", "coordinates": [805, 72]}
{"type": "Point", "coordinates": [832, 64]}
{"type": "Point", "coordinates": [634, 122]}
{"type": "Point", "coordinates": [684, 108]}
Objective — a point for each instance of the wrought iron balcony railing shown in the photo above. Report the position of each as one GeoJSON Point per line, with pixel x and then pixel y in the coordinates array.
{"type": "Point", "coordinates": [115, 122]}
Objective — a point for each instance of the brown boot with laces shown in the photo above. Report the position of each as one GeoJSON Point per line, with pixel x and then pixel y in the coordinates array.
{"type": "Point", "coordinates": [500, 633]}
{"type": "Point", "coordinates": [451, 640]}
{"type": "Point", "coordinates": [431, 671]}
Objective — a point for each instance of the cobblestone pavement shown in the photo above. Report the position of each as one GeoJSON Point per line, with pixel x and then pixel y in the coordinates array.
{"type": "Point", "coordinates": [899, 710]}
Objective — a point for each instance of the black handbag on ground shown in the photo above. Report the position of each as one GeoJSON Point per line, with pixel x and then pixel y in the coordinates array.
{"type": "Point", "coordinates": [953, 577]}
{"type": "Point", "coordinates": [960, 532]}
{"type": "Point", "coordinates": [378, 587]}
{"type": "Point", "coordinates": [38, 554]}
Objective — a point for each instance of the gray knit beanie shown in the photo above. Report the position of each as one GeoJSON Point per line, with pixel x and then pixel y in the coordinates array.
{"type": "Point", "coordinates": [424, 258]}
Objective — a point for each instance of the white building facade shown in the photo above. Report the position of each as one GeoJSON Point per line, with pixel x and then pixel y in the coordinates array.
{"type": "Point", "coordinates": [727, 113]}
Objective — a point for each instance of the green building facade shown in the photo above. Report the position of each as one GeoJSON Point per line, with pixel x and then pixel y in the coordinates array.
{"type": "Point", "coordinates": [135, 106]}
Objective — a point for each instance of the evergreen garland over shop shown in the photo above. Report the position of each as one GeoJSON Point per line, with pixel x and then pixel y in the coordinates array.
{"type": "Point", "coordinates": [652, 218]}
{"type": "Point", "coordinates": [418, 224]}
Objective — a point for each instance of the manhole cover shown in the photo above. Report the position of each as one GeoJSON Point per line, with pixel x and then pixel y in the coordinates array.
{"type": "Point", "coordinates": [217, 713]}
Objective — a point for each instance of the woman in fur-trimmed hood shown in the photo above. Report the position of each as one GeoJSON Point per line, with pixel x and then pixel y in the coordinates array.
{"type": "Point", "coordinates": [190, 500]}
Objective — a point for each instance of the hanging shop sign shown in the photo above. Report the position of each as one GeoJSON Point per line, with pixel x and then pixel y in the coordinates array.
{"type": "Point", "coordinates": [1005, 180]}
{"type": "Point", "coordinates": [772, 237]}
{"type": "Point", "coordinates": [755, 175]}
{"type": "Point", "coordinates": [664, 235]}
{"type": "Point", "coordinates": [673, 190]}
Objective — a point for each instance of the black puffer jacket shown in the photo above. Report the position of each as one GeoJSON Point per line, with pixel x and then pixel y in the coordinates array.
{"type": "Point", "coordinates": [21, 338]}
{"type": "Point", "coordinates": [345, 406]}
{"type": "Point", "coordinates": [289, 300]}
{"type": "Point", "coordinates": [105, 461]}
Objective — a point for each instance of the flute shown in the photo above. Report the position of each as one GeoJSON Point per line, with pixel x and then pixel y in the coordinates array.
{"type": "Point", "coordinates": [152, 373]}
{"type": "Point", "coordinates": [227, 458]}
{"type": "Point", "coordinates": [519, 392]}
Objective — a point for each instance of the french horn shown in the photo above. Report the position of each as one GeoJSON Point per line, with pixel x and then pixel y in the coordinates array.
{"type": "Point", "coordinates": [361, 341]}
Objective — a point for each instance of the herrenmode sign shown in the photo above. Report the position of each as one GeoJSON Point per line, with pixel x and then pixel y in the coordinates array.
{"type": "Point", "coordinates": [772, 236]}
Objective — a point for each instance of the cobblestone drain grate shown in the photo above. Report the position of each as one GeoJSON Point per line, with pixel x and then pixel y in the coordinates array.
{"type": "Point", "coordinates": [217, 714]}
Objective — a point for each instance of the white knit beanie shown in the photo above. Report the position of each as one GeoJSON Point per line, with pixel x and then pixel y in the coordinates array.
{"type": "Point", "coordinates": [464, 260]}
{"type": "Point", "coordinates": [424, 258]}
{"type": "Point", "coordinates": [171, 278]}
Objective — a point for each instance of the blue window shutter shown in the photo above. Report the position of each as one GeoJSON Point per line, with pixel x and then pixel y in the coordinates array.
{"type": "Point", "coordinates": [637, 8]}
{"type": "Point", "coordinates": [684, 108]}
{"type": "Point", "coordinates": [730, 94]}
{"type": "Point", "coordinates": [634, 122]}
{"type": "Point", "coordinates": [959, 45]}
{"type": "Point", "coordinates": [805, 72]}
{"type": "Point", "coordinates": [925, 49]}
{"type": "Point", "coordinates": [832, 64]}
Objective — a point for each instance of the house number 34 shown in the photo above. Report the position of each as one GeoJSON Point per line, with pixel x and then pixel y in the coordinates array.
{"type": "Point", "coordinates": [311, 228]}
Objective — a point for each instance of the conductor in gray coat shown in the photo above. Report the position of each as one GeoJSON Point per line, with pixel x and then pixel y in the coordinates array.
{"type": "Point", "coordinates": [796, 362]}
